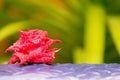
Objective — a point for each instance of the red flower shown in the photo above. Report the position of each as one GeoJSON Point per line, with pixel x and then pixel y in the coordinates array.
{"type": "Point", "coordinates": [32, 47]}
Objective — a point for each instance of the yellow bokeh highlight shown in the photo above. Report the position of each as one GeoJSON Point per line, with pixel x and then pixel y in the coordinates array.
{"type": "Point", "coordinates": [114, 27]}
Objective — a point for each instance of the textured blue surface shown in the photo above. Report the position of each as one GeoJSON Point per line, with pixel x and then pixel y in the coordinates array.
{"type": "Point", "coordinates": [60, 72]}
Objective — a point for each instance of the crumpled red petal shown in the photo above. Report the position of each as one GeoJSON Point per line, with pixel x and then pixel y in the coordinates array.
{"type": "Point", "coordinates": [32, 47]}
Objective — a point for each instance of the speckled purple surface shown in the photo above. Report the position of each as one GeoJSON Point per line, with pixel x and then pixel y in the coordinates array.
{"type": "Point", "coordinates": [60, 72]}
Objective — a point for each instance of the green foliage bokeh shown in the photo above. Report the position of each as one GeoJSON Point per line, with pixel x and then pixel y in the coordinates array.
{"type": "Point", "coordinates": [89, 29]}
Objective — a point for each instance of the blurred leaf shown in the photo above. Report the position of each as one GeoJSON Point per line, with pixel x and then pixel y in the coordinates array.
{"type": "Point", "coordinates": [94, 37]}
{"type": "Point", "coordinates": [74, 4]}
{"type": "Point", "coordinates": [114, 27]}
{"type": "Point", "coordinates": [24, 7]}
{"type": "Point", "coordinates": [95, 33]}
{"type": "Point", "coordinates": [4, 18]}
{"type": "Point", "coordinates": [60, 14]}
{"type": "Point", "coordinates": [12, 28]}
{"type": "Point", "coordinates": [79, 55]}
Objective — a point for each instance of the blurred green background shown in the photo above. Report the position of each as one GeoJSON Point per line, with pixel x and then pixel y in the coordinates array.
{"type": "Point", "coordinates": [89, 29]}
